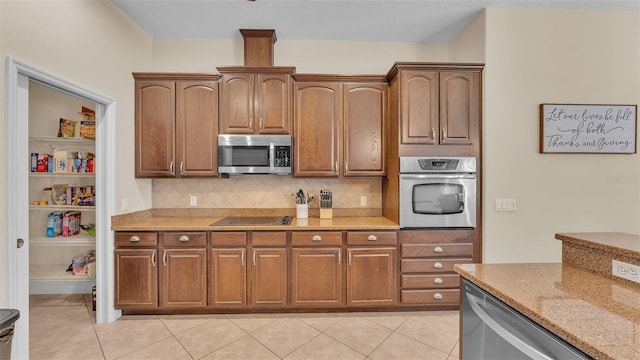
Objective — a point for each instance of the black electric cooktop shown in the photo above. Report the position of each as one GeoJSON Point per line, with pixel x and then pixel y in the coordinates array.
{"type": "Point", "coordinates": [252, 220]}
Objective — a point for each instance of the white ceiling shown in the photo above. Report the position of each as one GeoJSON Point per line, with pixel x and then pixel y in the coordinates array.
{"type": "Point", "coordinates": [351, 20]}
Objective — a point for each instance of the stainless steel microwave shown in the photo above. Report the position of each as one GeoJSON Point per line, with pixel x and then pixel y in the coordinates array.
{"type": "Point", "coordinates": [254, 154]}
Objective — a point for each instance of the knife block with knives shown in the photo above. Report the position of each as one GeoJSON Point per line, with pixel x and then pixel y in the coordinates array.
{"type": "Point", "coordinates": [326, 204]}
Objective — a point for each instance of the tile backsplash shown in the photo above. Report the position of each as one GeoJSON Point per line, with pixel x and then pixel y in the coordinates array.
{"type": "Point", "coordinates": [263, 191]}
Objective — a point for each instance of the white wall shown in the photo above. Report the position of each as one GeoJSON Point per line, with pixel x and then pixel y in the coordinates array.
{"type": "Point", "coordinates": [92, 44]}
{"type": "Point", "coordinates": [562, 56]}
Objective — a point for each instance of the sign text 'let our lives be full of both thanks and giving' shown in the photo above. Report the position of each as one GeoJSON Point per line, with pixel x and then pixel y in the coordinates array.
{"type": "Point", "coordinates": [572, 128]}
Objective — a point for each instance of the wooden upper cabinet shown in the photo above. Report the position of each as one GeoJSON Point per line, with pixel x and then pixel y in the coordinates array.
{"type": "Point", "coordinates": [197, 128]}
{"type": "Point", "coordinates": [256, 102]}
{"type": "Point", "coordinates": [364, 113]}
{"type": "Point", "coordinates": [317, 112]}
{"type": "Point", "coordinates": [438, 104]}
{"type": "Point", "coordinates": [236, 104]}
{"type": "Point", "coordinates": [176, 125]}
{"type": "Point", "coordinates": [459, 106]}
{"type": "Point", "coordinates": [419, 107]}
{"type": "Point", "coordinates": [273, 103]}
{"type": "Point", "coordinates": [155, 109]}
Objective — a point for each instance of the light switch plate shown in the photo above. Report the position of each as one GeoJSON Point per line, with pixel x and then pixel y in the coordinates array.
{"type": "Point", "coordinates": [506, 205]}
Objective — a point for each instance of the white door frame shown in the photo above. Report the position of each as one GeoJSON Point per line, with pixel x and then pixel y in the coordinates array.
{"type": "Point", "coordinates": [17, 75]}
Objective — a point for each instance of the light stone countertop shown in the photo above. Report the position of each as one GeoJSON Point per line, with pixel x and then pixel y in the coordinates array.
{"type": "Point", "coordinates": [597, 315]}
{"type": "Point", "coordinates": [615, 243]}
{"type": "Point", "coordinates": [161, 223]}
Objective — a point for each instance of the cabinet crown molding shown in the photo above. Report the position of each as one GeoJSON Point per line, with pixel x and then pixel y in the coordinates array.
{"type": "Point", "coordinates": [432, 66]}
{"type": "Point", "coordinates": [175, 76]}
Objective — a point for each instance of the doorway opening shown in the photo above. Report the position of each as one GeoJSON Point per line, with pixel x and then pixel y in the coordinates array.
{"type": "Point", "coordinates": [17, 207]}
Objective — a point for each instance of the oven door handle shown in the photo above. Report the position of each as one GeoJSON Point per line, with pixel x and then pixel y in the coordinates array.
{"type": "Point", "coordinates": [437, 176]}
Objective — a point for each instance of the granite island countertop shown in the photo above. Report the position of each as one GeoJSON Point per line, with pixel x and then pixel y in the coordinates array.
{"type": "Point", "coordinates": [578, 300]}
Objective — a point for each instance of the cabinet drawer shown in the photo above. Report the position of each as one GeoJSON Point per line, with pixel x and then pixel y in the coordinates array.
{"type": "Point", "coordinates": [436, 250]}
{"type": "Point", "coordinates": [319, 238]}
{"type": "Point", "coordinates": [430, 297]}
{"type": "Point", "coordinates": [371, 238]}
{"type": "Point", "coordinates": [430, 265]}
{"type": "Point", "coordinates": [184, 239]}
{"type": "Point", "coordinates": [277, 238]}
{"type": "Point", "coordinates": [136, 239]}
{"type": "Point", "coordinates": [411, 281]}
{"type": "Point", "coordinates": [435, 236]}
{"type": "Point", "coordinates": [228, 238]}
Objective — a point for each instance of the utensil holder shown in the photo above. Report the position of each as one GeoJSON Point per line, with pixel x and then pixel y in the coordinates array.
{"type": "Point", "coordinates": [302, 211]}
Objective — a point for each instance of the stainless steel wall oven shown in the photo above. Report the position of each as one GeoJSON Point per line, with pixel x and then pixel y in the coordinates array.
{"type": "Point", "coordinates": [438, 192]}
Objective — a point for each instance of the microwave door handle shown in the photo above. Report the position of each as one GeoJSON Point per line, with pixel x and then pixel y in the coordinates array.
{"type": "Point", "coordinates": [512, 339]}
{"type": "Point", "coordinates": [272, 155]}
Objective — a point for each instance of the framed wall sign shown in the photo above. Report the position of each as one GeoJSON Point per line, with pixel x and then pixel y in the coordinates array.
{"type": "Point", "coordinates": [575, 128]}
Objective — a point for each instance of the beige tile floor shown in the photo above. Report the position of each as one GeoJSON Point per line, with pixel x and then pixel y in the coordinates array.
{"type": "Point", "coordinates": [63, 327]}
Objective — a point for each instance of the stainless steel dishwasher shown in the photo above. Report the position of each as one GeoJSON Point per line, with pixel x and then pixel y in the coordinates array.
{"type": "Point", "coordinates": [493, 330]}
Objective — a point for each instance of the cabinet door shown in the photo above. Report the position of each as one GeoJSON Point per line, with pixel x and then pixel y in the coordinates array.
{"type": "Point", "coordinates": [237, 104]}
{"type": "Point", "coordinates": [365, 109]}
{"type": "Point", "coordinates": [317, 108]}
{"type": "Point", "coordinates": [316, 277]}
{"type": "Point", "coordinates": [269, 278]}
{"type": "Point", "coordinates": [197, 128]}
{"type": "Point", "coordinates": [459, 107]}
{"type": "Point", "coordinates": [419, 107]}
{"type": "Point", "coordinates": [273, 103]}
{"type": "Point", "coordinates": [184, 278]}
{"type": "Point", "coordinates": [228, 278]}
{"type": "Point", "coordinates": [155, 128]}
{"type": "Point", "coordinates": [371, 276]}
{"type": "Point", "coordinates": [136, 278]}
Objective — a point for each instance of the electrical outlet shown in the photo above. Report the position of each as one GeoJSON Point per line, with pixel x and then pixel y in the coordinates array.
{"type": "Point", "coordinates": [625, 271]}
{"type": "Point", "coordinates": [506, 205]}
{"type": "Point", "coordinates": [193, 201]}
{"type": "Point", "coordinates": [124, 205]}
{"type": "Point", "coordinates": [363, 201]}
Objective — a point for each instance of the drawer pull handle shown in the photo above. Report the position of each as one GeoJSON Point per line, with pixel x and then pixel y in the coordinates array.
{"type": "Point", "coordinates": [134, 238]}
{"type": "Point", "coordinates": [316, 238]}
{"type": "Point", "coordinates": [339, 257]}
{"type": "Point", "coordinates": [372, 238]}
{"type": "Point", "coordinates": [164, 258]}
{"type": "Point", "coordinates": [153, 258]}
{"type": "Point", "coordinates": [437, 280]}
{"type": "Point", "coordinates": [437, 265]}
{"type": "Point", "coordinates": [438, 249]}
{"type": "Point", "coordinates": [184, 238]}
{"type": "Point", "coordinates": [437, 296]}
{"type": "Point", "coordinates": [242, 257]}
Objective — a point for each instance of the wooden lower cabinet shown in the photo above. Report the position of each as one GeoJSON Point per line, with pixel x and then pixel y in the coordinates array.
{"type": "Point", "coordinates": [228, 278]}
{"type": "Point", "coordinates": [316, 277]}
{"type": "Point", "coordinates": [183, 271]}
{"type": "Point", "coordinates": [136, 278]}
{"type": "Point", "coordinates": [427, 258]}
{"type": "Point", "coordinates": [269, 277]}
{"type": "Point", "coordinates": [371, 276]}
{"type": "Point", "coordinates": [184, 278]}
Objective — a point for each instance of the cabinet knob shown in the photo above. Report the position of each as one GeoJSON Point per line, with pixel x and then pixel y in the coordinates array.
{"type": "Point", "coordinates": [438, 249]}
{"type": "Point", "coordinates": [438, 280]}
{"type": "Point", "coordinates": [184, 238]}
{"type": "Point", "coordinates": [134, 238]}
{"type": "Point", "coordinates": [437, 265]}
{"type": "Point", "coordinates": [372, 238]}
{"type": "Point", "coordinates": [437, 296]}
{"type": "Point", "coordinates": [316, 238]}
